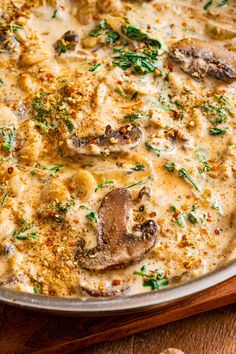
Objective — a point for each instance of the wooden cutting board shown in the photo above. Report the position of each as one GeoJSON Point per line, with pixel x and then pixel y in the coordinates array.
{"type": "Point", "coordinates": [24, 331]}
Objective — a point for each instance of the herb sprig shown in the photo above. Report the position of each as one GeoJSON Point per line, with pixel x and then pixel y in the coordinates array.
{"type": "Point", "coordinates": [22, 234]}
{"type": "Point", "coordinates": [155, 280]}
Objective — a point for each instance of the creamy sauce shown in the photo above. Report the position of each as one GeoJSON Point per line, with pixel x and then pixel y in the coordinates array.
{"type": "Point", "coordinates": [49, 197]}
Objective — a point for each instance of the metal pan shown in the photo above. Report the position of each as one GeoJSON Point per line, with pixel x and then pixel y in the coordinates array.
{"type": "Point", "coordinates": [113, 306]}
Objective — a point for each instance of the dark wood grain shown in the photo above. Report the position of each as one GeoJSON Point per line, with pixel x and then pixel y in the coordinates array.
{"type": "Point", "coordinates": [213, 332]}
{"type": "Point", "coordinates": [29, 332]}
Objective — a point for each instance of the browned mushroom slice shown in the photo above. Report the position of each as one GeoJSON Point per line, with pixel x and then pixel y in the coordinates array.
{"type": "Point", "coordinates": [106, 292]}
{"type": "Point", "coordinates": [199, 58]}
{"type": "Point", "coordinates": [124, 139]}
{"type": "Point", "coordinates": [116, 247]}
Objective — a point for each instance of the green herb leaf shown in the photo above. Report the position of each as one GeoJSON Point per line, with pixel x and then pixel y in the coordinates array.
{"type": "Point", "coordinates": [37, 288]}
{"type": "Point", "coordinates": [143, 62]}
{"type": "Point", "coordinates": [105, 29]}
{"type": "Point", "coordinates": [21, 232]}
{"type": "Point", "coordinates": [222, 3]}
{"type": "Point", "coordinates": [203, 161]}
{"type": "Point", "coordinates": [92, 216]}
{"type": "Point", "coordinates": [136, 184]}
{"type": "Point", "coordinates": [138, 35]}
{"type": "Point", "coordinates": [189, 178]}
{"type": "Point", "coordinates": [94, 67]}
{"type": "Point", "coordinates": [54, 169]}
{"type": "Point", "coordinates": [218, 131]}
{"type": "Point", "coordinates": [153, 148]}
{"type": "Point", "coordinates": [170, 166]}
{"type": "Point", "coordinates": [54, 15]}
{"type": "Point", "coordinates": [63, 47]}
{"type": "Point", "coordinates": [155, 285]}
{"type": "Point", "coordinates": [4, 199]}
{"type": "Point", "coordinates": [192, 218]}
{"type": "Point", "coordinates": [103, 184]}
{"type": "Point", "coordinates": [138, 168]}
{"type": "Point", "coordinates": [208, 5]}
{"type": "Point", "coordinates": [7, 138]}
{"type": "Point", "coordinates": [1, 81]}
{"type": "Point", "coordinates": [132, 117]}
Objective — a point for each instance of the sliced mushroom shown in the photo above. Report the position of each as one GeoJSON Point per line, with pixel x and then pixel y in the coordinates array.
{"type": "Point", "coordinates": [116, 247]}
{"type": "Point", "coordinates": [144, 193]}
{"type": "Point", "coordinates": [199, 58]}
{"type": "Point", "coordinates": [68, 41]}
{"type": "Point", "coordinates": [106, 292]}
{"type": "Point", "coordinates": [113, 141]}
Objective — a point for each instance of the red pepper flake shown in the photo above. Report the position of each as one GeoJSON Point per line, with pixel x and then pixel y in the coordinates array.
{"type": "Point", "coordinates": [176, 213]}
{"type": "Point", "coordinates": [52, 292]}
{"type": "Point", "coordinates": [51, 213]}
{"type": "Point", "coordinates": [153, 214]}
{"type": "Point", "coordinates": [10, 170]}
{"type": "Point", "coordinates": [217, 231]}
{"type": "Point", "coordinates": [49, 242]}
{"type": "Point", "coordinates": [116, 282]}
{"type": "Point", "coordinates": [123, 130]}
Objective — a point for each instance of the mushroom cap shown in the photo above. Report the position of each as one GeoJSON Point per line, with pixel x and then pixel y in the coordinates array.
{"type": "Point", "coordinates": [199, 58]}
{"type": "Point", "coordinates": [117, 247]}
{"type": "Point", "coordinates": [112, 141]}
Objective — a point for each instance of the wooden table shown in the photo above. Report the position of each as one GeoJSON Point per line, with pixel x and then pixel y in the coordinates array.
{"type": "Point", "coordinates": [213, 332]}
{"type": "Point", "coordinates": [23, 332]}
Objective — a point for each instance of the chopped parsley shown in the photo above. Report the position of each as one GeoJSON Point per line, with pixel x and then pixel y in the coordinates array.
{"type": "Point", "coordinates": [53, 110]}
{"type": "Point", "coordinates": [138, 168]}
{"type": "Point", "coordinates": [94, 67]}
{"type": "Point", "coordinates": [24, 231]}
{"type": "Point", "coordinates": [103, 184]}
{"type": "Point", "coordinates": [218, 131]}
{"type": "Point", "coordinates": [192, 218]}
{"type": "Point", "coordinates": [222, 3]}
{"type": "Point", "coordinates": [203, 161]}
{"type": "Point", "coordinates": [132, 117]}
{"type": "Point", "coordinates": [1, 81]}
{"type": "Point", "coordinates": [54, 15]}
{"type": "Point", "coordinates": [37, 288]}
{"type": "Point", "coordinates": [155, 281]}
{"type": "Point", "coordinates": [4, 198]}
{"type": "Point", "coordinates": [138, 35]}
{"type": "Point", "coordinates": [208, 5]}
{"type": "Point", "coordinates": [7, 138]}
{"type": "Point", "coordinates": [217, 109]}
{"type": "Point", "coordinates": [136, 184]}
{"type": "Point", "coordinates": [62, 208]}
{"type": "Point", "coordinates": [92, 216]}
{"type": "Point", "coordinates": [142, 62]}
{"type": "Point", "coordinates": [153, 148]}
{"type": "Point", "coordinates": [54, 169]}
{"type": "Point", "coordinates": [63, 47]}
{"type": "Point", "coordinates": [104, 29]}
{"type": "Point", "coordinates": [217, 207]}
{"type": "Point", "coordinates": [170, 166]}
{"type": "Point", "coordinates": [188, 178]}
